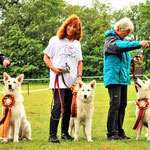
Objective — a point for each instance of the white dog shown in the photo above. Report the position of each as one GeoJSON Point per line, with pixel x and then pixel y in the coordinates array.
{"type": "Point", "coordinates": [85, 97]}
{"type": "Point", "coordinates": [19, 127]}
{"type": "Point", "coordinates": [143, 91]}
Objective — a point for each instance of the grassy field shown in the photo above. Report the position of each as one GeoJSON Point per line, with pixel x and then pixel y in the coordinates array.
{"type": "Point", "coordinates": [37, 106]}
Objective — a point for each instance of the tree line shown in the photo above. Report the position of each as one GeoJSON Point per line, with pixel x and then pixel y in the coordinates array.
{"type": "Point", "coordinates": [26, 27]}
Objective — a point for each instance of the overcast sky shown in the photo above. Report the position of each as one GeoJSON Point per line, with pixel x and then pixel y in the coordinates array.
{"type": "Point", "coordinates": [117, 4]}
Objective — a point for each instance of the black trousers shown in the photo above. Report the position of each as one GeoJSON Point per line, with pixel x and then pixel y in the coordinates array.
{"type": "Point", "coordinates": [118, 103]}
{"type": "Point", "coordinates": [66, 95]}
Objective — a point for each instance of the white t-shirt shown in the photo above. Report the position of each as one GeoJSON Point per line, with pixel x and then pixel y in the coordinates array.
{"type": "Point", "coordinates": [62, 52]}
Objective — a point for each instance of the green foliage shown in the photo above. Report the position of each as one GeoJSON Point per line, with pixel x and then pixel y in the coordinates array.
{"type": "Point", "coordinates": [24, 53]}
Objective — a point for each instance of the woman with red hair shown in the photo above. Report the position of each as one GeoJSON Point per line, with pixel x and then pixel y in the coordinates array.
{"type": "Point", "coordinates": [64, 50]}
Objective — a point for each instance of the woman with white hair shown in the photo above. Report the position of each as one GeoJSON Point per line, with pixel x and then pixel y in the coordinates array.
{"type": "Point", "coordinates": [117, 60]}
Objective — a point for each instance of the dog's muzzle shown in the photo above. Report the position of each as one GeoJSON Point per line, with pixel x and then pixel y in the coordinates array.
{"type": "Point", "coordinates": [136, 83]}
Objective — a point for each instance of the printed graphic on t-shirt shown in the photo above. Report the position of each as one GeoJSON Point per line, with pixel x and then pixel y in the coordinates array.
{"type": "Point", "coordinates": [69, 50]}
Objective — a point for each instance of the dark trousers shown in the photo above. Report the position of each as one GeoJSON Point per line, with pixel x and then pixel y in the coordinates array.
{"type": "Point", "coordinates": [118, 103]}
{"type": "Point", "coordinates": [66, 95]}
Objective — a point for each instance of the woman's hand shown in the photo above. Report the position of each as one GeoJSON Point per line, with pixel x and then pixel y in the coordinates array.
{"type": "Point", "coordinates": [144, 43]}
{"type": "Point", "coordinates": [138, 59]}
{"type": "Point", "coordinates": [6, 62]}
{"type": "Point", "coordinates": [56, 70]}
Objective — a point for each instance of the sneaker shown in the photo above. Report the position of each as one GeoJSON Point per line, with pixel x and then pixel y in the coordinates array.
{"type": "Point", "coordinates": [114, 137]}
{"type": "Point", "coordinates": [66, 136]}
{"type": "Point", "coordinates": [53, 138]}
{"type": "Point", "coordinates": [123, 137]}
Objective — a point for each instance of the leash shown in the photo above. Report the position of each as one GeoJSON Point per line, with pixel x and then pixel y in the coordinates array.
{"type": "Point", "coordinates": [64, 81]}
{"type": "Point", "coordinates": [74, 90]}
{"type": "Point", "coordinates": [133, 66]}
{"type": "Point", "coordinates": [57, 82]}
{"type": "Point", "coordinates": [142, 104]}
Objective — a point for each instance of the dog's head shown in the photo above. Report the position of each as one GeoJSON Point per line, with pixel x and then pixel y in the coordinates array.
{"type": "Point", "coordinates": [12, 84]}
{"type": "Point", "coordinates": [143, 87]}
{"type": "Point", "coordinates": [86, 91]}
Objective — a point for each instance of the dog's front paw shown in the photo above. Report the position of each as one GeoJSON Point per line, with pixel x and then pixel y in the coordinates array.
{"type": "Point", "coordinates": [16, 141]}
{"type": "Point", "coordinates": [148, 138]}
{"type": "Point", "coordinates": [90, 140]}
{"type": "Point", "coordinates": [4, 141]}
{"type": "Point", "coordinates": [76, 139]}
{"type": "Point", "coordinates": [138, 138]}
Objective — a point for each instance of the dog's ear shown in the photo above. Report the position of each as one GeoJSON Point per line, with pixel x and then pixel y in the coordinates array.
{"type": "Point", "coordinates": [20, 78]}
{"type": "Point", "coordinates": [6, 76]}
{"type": "Point", "coordinates": [93, 84]}
{"type": "Point", "coordinates": [80, 83]}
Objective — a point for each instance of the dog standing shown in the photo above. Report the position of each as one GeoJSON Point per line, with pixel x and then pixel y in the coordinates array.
{"type": "Point", "coordinates": [19, 127]}
{"type": "Point", "coordinates": [85, 97]}
{"type": "Point", "coordinates": [143, 91]}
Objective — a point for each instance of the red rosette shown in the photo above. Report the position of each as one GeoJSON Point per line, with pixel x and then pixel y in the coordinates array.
{"type": "Point", "coordinates": [74, 89]}
{"type": "Point", "coordinates": [8, 101]}
{"type": "Point", "coordinates": [142, 103]}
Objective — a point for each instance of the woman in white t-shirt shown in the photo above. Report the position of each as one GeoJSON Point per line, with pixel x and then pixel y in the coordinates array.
{"type": "Point", "coordinates": [64, 50]}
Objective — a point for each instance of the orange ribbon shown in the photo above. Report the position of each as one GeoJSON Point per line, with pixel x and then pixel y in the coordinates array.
{"type": "Point", "coordinates": [8, 101]}
{"type": "Point", "coordinates": [142, 104]}
{"type": "Point", "coordinates": [74, 89]}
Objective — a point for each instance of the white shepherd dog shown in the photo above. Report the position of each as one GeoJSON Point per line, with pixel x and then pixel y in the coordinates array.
{"type": "Point", "coordinates": [19, 127]}
{"type": "Point", "coordinates": [85, 97]}
{"type": "Point", "coordinates": [143, 91]}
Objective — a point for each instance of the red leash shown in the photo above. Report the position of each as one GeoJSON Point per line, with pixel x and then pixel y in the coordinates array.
{"type": "Point", "coordinates": [142, 104]}
{"type": "Point", "coordinates": [74, 104]}
{"type": "Point", "coordinates": [133, 65]}
{"type": "Point", "coordinates": [57, 82]}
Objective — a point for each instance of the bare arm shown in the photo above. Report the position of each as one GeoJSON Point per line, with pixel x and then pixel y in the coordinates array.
{"type": "Point", "coordinates": [50, 65]}
{"type": "Point", "coordinates": [80, 69]}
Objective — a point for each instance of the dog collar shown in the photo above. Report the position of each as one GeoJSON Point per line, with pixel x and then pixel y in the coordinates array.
{"type": "Point", "coordinates": [8, 101]}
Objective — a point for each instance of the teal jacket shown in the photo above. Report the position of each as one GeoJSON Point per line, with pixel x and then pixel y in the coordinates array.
{"type": "Point", "coordinates": [117, 59]}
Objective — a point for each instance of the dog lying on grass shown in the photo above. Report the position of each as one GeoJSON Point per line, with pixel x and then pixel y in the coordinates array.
{"type": "Point", "coordinates": [19, 127]}
{"type": "Point", "coordinates": [85, 97]}
{"type": "Point", "coordinates": [143, 91]}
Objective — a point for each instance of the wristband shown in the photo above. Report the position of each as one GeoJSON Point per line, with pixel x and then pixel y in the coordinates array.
{"type": "Point", "coordinates": [79, 76]}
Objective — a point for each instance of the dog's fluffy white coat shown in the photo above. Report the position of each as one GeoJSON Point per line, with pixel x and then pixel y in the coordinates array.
{"type": "Point", "coordinates": [19, 127]}
{"type": "Point", "coordinates": [143, 91]}
{"type": "Point", "coordinates": [85, 97]}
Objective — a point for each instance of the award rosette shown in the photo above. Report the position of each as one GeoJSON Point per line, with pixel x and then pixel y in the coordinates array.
{"type": "Point", "coordinates": [74, 90]}
{"type": "Point", "coordinates": [142, 104]}
{"type": "Point", "coordinates": [8, 102]}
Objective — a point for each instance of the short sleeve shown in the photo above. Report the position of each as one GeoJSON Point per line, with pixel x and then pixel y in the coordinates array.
{"type": "Point", "coordinates": [80, 52]}
{"type": "Point", "coordinates": [49, 50]}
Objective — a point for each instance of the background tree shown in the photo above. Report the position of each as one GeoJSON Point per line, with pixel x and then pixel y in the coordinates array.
{"type": "Point", "coordinates": [27, 25]}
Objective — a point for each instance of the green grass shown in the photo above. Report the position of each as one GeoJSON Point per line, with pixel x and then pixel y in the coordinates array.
{"type": "Point", "coordinates": [37, 106]}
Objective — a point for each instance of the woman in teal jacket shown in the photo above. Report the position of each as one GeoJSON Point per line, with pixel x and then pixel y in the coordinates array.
{"type": "Point", "coordinates": [117, 60]}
